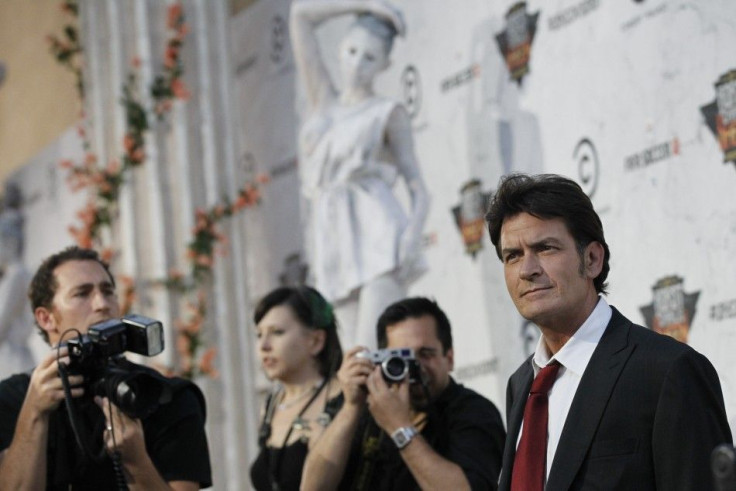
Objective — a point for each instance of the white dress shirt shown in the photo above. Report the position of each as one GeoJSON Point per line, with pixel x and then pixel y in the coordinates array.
{"type": "Point", "coordinates": [573, 358]}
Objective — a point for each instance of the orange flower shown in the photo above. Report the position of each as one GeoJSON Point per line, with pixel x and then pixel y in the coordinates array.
{"type": "Point", "coordinates": [181, 32]}
{"type": "Point", "coordinates": [206, 363]}
{"type": "Point", "coordinates": [263, 178]}
{"type": "Point", "coordinates": [137, 156]}
{"type": "Point", "coordinates": [180, 89]}
{"type": "Point", "coordinates": [171, 56]}
{"type": "Point", "coordinates": [183, 344]}
{"type": "Point", "coordinates": [136, 62]}
{"type": "Point", "coordinates": [113, 167]}
{"type": "Point", "coordinates": [90, 159]}
{"type": "Point", "coordinates": [128, 143]}
{"type": "Point", "coordinates": [66, 164]}
{"type": "Point", "coordinates": [174, 15]}
{"type": "Point", "coordinates": [204, 260]}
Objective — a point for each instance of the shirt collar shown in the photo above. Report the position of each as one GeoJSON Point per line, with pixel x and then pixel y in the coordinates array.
{"type": "Point", "coordinates": [576, 353]}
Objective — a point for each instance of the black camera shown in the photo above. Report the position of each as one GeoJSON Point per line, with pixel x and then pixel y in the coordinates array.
{"type": "Point", "coordinates": [97, 356]}
{"type": "Point", "coordinates": [396, 364]}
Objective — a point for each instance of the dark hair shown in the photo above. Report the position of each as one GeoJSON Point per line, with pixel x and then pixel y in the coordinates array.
{"type": "Point", "coordinates": [44, 283]}
{"type": "Point", "coordinates": [312, 310]}
{"type": "Point", "coordinates": [412, 308]}
{"type": "Point", "coordinates": [548, 196]}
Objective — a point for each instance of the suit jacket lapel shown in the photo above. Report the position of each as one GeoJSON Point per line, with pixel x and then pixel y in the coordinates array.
{"type": "Point", "coordinates": [590, 401]}
{"type": "Point", "coordinates": [519, 386]}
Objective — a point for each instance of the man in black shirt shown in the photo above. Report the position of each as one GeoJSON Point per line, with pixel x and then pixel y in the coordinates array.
{"type": "Point", "coordinates": [432, 434]}
{"type": "Point", "coordinates": [73, 290]}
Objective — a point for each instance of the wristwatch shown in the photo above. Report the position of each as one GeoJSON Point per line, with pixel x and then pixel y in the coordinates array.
{"type": "Point", "coordinates": [403, 436]}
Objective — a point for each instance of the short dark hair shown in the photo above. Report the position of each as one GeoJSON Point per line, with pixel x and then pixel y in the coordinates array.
{"type": "Point", "coordinates": [548, 196]}
{"type": "Point", "coordinates": [44, 283]}
{"type": "Point", "coordinates": [315, 313]}
{"type": "Point", "coordinates": [413, 308]}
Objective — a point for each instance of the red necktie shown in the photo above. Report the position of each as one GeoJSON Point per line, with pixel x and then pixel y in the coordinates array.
{"type": "Point", "coordinates": [530, 463]}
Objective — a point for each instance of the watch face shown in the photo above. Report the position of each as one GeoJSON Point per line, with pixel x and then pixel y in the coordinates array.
{"type": "Point", "coordinates": [400, 438]}
{"type": "Point", "coordinates": [403, 436]}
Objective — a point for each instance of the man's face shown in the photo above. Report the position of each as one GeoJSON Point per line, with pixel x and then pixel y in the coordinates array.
{"type": "Point", "coordinates": [421, 334]}
{"type": "Point", "coordinates": [548, 280]}
{"type": "Point", "coordinates": [84, 296]}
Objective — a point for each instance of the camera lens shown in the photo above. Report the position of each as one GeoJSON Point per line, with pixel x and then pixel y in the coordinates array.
{"type": "Point", "coordinates": [394, 368]}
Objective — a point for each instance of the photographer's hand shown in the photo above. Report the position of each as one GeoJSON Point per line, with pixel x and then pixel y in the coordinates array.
{"type": "Point", "coordinates": [326, 460]}
{"type": "Point", "coordinates": [45, 391]}
{"type": "Point", "coordinates": [19, 467]}
{"type": "Point", "coordinates": [389, 404]}
{"type": "Point", "coordinates": [126, 437]}
{"type": "Point", "coordinates": [123, 434]}
{"type": "Point", "coordinates": [353, 375]}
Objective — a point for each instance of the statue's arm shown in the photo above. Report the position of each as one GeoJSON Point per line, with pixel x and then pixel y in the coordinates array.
{"type": "Point", "coordinates": [304, 19]}
{"type": "Point", "coordinates": [400, 142]}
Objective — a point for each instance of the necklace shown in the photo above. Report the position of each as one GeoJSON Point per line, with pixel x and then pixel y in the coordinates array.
{"type": "Point", "coordinates": [286, 405]}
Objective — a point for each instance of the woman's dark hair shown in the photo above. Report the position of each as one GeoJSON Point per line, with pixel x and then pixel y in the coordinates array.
{"type": "Point", "coordinates": [314, 312]}
{"type": "Point", "coordinates": [548, 196]}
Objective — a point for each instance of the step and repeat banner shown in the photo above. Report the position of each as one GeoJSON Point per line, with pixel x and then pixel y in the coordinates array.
{"type": "Point", "coordinates": [635, 100]}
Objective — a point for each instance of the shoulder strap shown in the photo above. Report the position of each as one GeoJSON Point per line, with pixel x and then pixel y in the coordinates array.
{"type": "Point", "coordinates": [264, 432]}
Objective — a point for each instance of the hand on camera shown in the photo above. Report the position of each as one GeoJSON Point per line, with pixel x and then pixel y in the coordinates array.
{"type": "Point", "coordinates": [353, 375]}
{"type": "Point", "coordinates": [389, 404]}
{"type": "Point", "coordinates": [46, 391]}
{"type": "Point", "coordinates": [122, 433]}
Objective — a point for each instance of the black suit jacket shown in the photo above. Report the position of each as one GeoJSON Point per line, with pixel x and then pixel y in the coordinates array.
{"type": "Point", "coordinates": [647, 414]}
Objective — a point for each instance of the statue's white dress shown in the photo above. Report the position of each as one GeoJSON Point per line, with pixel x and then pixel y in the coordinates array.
{"type": "Point", "coordinates": [353, 220]}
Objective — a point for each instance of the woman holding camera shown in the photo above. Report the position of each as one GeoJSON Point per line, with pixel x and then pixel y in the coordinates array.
{"type": "Point", "coordinates": [299, 349]}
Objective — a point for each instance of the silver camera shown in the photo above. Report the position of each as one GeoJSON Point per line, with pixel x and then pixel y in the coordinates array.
{"type": "Point", "coordinates": [396, 364]}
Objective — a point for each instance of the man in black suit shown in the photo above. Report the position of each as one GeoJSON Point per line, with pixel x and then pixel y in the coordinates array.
{"type": "Point", "coordinates": [629, 408]}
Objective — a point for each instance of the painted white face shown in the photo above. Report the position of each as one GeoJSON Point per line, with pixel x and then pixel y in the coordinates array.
{"type": "Point", "coordinates": [362, 57]}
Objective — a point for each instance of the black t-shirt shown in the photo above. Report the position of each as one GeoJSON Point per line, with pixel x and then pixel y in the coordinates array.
{"type": "Point", "coordinates": [174, 436]}
{"type": "Point", "coordinates": [462, 426]}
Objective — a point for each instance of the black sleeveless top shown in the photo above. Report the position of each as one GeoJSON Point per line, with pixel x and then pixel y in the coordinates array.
{"type": "Point", "coordinates": [283, 464]}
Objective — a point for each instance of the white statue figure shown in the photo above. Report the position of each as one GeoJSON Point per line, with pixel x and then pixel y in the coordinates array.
{"type": "Point", "coordinates": [363, 247]}
{"type": "Point", "coordinates": [16, 322]}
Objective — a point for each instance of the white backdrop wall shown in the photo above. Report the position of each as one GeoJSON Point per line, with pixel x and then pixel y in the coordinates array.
{"type": "Point", "coordinates": [612, 95]}
{"type": "Point", "coordinates": [620, 96]}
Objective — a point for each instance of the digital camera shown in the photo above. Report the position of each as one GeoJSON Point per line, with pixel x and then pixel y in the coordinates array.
{"type": "Point", "coordinates": [396, 364]}
{"type": "Point", "coordinates": [97, 356]}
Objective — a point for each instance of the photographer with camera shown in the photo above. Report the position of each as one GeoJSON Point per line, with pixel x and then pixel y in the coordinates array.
{"type": "Point", "coordinates": [42, 447]}
{"type": "Point", "coordinates": [422, 430]}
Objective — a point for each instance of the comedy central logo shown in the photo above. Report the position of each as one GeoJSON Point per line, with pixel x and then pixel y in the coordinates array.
{"type": "Point", "coordinates": [470, 215]}
{"type": "Point", "coordinates": [672, 310]}
{"type": "Point", "coordinates": [720, 115]}
{"type": "Point", "coordinates": [515, 42]}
